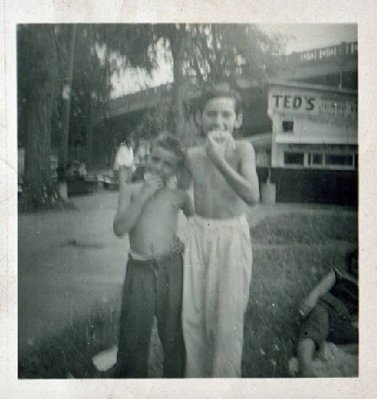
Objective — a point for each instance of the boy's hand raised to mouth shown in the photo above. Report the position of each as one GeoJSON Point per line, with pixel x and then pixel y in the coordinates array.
{"type": "Point", "coordinates": [152, 184]}
{"type": "Point", "coordinates": [215, 150]}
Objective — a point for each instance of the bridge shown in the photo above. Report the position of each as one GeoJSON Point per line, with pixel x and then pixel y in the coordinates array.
{"type": "Point", "coordinates": [145, 99]}
{"type": "Point", "coordinates": [315, 63]}
{"type": "Point", "coordinates": [311, 66]}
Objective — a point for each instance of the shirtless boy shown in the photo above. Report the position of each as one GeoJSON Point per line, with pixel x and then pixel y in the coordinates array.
{"type": "Point", "coordinates": [148, 212]}
{"type": "Point", "coordinates": [218, 257]}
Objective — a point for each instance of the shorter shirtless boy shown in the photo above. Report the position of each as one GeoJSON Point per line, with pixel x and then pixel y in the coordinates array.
{"type": "Point", "coordinates": [148, 213]}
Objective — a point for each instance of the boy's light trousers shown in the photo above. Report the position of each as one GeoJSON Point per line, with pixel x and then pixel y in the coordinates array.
{"type": "Point", "coordinates": [217, 275]}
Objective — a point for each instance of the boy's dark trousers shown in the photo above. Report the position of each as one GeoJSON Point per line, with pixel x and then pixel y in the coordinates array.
{"type": "Point", "coordinates": [152, 287]}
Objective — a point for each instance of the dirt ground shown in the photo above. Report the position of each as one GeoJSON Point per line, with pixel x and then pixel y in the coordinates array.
{"type": "Point", "coordinates": [69, 261]}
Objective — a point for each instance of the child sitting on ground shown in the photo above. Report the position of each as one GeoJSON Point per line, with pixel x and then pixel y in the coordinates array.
{"type": "Point", "coordinates": [330, 314]}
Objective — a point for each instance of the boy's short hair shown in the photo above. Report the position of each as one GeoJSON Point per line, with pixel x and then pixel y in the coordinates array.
{"type": "Point", "coordinates": [220, 89]}
{"type": "Point", "coordinates": [169, 142]}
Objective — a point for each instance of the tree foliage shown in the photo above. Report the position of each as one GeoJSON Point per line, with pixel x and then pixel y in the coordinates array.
{"type": "Point", "coordinates": [101, 51]}
{"type": "Point", "coordinates": [211, 52]}
{"type": "Point", "coordinates": [199, 53]}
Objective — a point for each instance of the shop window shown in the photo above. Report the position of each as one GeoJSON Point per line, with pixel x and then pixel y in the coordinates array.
{"type": "Point", "coordinates": [294, 158]}
{"type": "Point", "coordinates": [338, 160]}
{"type": "Point", "coordinates": [287, 126]}
{"type": "Point", "coordinates": [316, 159]}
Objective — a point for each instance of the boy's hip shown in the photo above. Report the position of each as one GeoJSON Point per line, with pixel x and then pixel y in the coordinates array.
{"type": "Point", "coordinates": [167, 259]}
{"type": "Point", "coordinates": [219, 241]}
{"type": "Point", "coordinates": [204, 232]}
{"type": "Point", "coordinates": [220, 225]}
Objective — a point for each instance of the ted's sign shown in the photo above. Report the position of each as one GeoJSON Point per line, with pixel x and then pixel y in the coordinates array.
{"type": "Point", "coordinates": [286, 101]}
{"type": "Point", "coordinates": [312, 103]}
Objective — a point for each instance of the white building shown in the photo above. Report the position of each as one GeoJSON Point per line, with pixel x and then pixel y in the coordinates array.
{"type": "Point", "coordinates": [313, 126]}
{"type": "Point", "coordinates": [314, 142]}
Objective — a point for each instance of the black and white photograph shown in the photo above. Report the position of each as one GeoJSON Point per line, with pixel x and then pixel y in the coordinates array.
{"type": "Point", "coordinates": [187, 200]}
{"type": "Point", "coordinates": [187, 191]}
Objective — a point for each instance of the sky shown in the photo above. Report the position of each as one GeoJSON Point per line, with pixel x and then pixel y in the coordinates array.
{"type": "Point", "coordinates": [298, 37]}
{"type": "Point", "coordinates": [301, 37]}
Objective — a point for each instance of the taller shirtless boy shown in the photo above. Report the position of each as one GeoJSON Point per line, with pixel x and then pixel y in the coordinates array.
{"type": "Point", "coordinates": [218, 256]}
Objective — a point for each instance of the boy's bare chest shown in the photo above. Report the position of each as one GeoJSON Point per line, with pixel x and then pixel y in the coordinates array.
{"type": "Point", "coordinates": [162, 204]}
{"type": "Point", "coordinates": [206, 174]}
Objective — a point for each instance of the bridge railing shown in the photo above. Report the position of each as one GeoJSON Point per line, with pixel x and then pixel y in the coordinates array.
{"type": "Point", "coordinates": [344, 49]}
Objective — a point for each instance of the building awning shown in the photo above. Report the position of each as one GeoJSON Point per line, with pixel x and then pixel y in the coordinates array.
{"type": "Point", "coordinates": [322, 147]}
{"type": "Point", "coordinates": [297, 139]}
{"type": "Point", "coordinates": [259, 141]}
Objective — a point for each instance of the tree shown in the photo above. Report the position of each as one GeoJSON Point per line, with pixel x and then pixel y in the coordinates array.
{"type": "Point", "coordinates": [49, 72]}
{"type": "Point", "coordinates": [89, 57]}
{"type": "Point", "coordinates": [66, 97]}
{"type": "Point", "coordinates": [226, 52]}
{"type": "Point", "coordinates": [198, 52]}
{"type": "Point", "coordinates": [89, 88]}
{"type": "Point", "coordinates": [205, 52]}
{"type": "Point", "coordinates": [101, 51]}
{"type": "Point", "coordinates": [64, 82]}
{"type": "Point", "coordinates": [37, 71]}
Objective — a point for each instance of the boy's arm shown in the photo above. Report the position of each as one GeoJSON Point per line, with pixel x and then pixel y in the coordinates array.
{"type": "Point", "coordinates": [185, 184]}
{"type": "Point", "coordinates": [187, 205]}
{"type": "Point", "coordinates": [188, 210]}
{"type": "Point", "coordinates": [120, 225]}
{"type": "Point", "coordinates": [184, 176]}
{"type": "Point", "coordinates": [244, 184]}
{"type": "Point", "coordinates": [130, 205]}
{"type": "Point", "coordinates": [322, 288]}
{"type": "Point", "coordinates": [305, 355]}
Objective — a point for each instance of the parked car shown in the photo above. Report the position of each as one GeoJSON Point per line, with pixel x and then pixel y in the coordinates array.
{"type": "Point", "coordinates": [108, 179]}
{"type": "Point", "coordinates": [78, 179]}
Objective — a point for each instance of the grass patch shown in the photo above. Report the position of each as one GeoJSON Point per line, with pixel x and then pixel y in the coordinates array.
{"type": "Point", "coordinates": [291, 254]}
{"type": "Point", "coordinates": [282, 277]}
{"type": "Point", "coordinates": [69, 353]}
{"type": "Point", "coordinates": [306, 229]}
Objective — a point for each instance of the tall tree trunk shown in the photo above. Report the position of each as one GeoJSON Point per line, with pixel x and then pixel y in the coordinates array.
{"type": "Point", "coordinates": [39, 191]}
{"type": "Point", "coordinates": [178, 43]}
{"type": "Point", "coordinates": [89, 136]}
{"type": "Point", "coordinates": [66, 95]}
